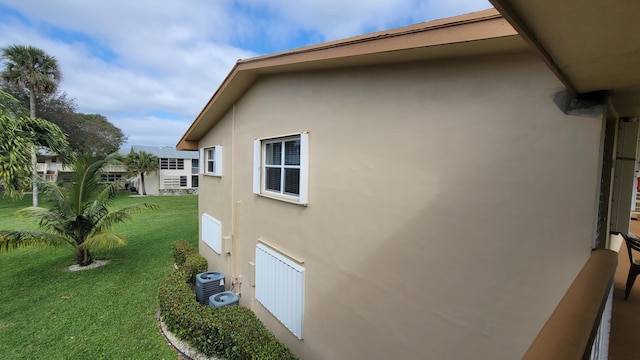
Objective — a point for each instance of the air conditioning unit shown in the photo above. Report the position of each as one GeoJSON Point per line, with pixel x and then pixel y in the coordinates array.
{"type": "Point", "coordinates": [224, 298]}
{"type": "Point", "coordinates": [207, 284]}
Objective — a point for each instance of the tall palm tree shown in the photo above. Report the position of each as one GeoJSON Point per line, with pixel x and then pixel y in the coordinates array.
{"type": "Point", "coordinates": [140, 163]}
{"type": "Point", "coordinates": [31, 69]}
{"type": "Point", "coordinates": [79, 217]}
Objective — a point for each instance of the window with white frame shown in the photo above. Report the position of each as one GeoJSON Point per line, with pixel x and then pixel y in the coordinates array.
{"type": "Point", "coordinates": [171, 164]}
{"type": "Point", "coordinates": [194, 166]}
{"type": "Point", "coordinates": [281, 167]}
{"type": "Point", "coordinates": [111, 177]}
{"type": "Point", "coordinates": [212, 159]}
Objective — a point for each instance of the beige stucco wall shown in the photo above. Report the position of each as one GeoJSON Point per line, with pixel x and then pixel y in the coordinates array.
{"type": "Point", "coordinates": [450, 205]}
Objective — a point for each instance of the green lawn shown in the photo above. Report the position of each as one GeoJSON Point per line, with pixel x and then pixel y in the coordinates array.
{"type": "Point", "coordinates": [47, 312]}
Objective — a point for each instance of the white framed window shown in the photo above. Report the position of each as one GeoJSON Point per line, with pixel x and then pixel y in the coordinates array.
{"type": "Point", "coordinates": [280, 287]}
{"type": "Point", "coordinates": [281, 167]}
{"type": "Point", "coordinates": [212, 160]}
{"type": "Point", "coordinates": [111, 177]}
{"type": "Point", "coordinates": [171, 164]}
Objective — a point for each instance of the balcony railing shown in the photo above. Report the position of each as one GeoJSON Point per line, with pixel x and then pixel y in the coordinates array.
{"type": "Point", "coordinates": [570, 331]}
{"type": "Point", "coordinates": [107, 169]}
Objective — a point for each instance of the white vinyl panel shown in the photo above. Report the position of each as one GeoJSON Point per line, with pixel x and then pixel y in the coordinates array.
{"type": "Point", "coordinates": [280, 287]}
{"type": "Point", "coordinates": [212, 232]}
{"type": "Point", "coordinates": [201, 162]}
{"type": "Point", "coordinates": [257, 163]}
{"type": "Point", "coordinates": [304, 168]}
{"type": "Point", "coordinates": [218, 160]}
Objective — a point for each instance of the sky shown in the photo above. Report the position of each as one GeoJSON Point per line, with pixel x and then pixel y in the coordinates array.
{"type": "Point", "coordinates": [150, 66]}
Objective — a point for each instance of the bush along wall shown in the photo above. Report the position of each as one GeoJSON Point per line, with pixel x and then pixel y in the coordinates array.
{"type": "Point", "coordinates": [232, 332]}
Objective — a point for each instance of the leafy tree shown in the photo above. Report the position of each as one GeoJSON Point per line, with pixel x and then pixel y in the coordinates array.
{"type": "Point", "coordinates": [140, 163]}
{"type": "Point", "coordinates": [31, 69]}
{"type": "Point", "coordinates": [97, 136]}
{"type": "Point", "coordinates": [20, 134]}
{"type": "Point", "coordinates": [88, 134]}
{"type": "Point", "coordinates": [79, 217]}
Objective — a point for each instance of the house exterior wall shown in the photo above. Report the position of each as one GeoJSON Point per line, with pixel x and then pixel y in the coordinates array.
{"type": "Point", "coordinates": [154, 182]}
{"type": "Point", "coordinates": [450, 205]}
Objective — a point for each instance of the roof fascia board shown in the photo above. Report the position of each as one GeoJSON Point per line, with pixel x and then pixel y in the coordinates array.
{"type": "Point", "coordinates": [466, 28]}
{"type": "Point", "coordinates": [520, 25]}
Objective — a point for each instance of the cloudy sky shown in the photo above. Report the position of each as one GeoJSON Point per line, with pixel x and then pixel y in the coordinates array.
{"type": "Point", "coordinates": [150, 66]}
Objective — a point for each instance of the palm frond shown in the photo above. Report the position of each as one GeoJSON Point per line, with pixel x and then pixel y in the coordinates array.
{"type": "Point", "coordinates": [103, 241]}
{"type": "Point", "coordinates": [10, 240]}
{"type": "Point", "coordinates": [45, 218]}
{"type": "Point", "coordinates": [123, 214]}
{"type": "Point", "coordinates": [57, 194]}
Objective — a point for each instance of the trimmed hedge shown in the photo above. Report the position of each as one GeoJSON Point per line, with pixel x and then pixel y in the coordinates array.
{"type": "Point", "coordinates": [181, 249]}
{"type": "Point", "coordinates": [232, 332]}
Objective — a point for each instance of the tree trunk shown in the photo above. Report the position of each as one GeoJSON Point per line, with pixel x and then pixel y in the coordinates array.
{"type": "Point", "coordinates": [34, 169]}
{"type": "Point", "coordinates": [144, 191]}
{"type": "Point", "coordinates": [83, 257]}
{"type": "Point", "coordinates": [34, 157]}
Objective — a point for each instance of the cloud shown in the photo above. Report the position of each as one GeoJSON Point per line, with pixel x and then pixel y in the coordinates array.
{"type": "Point", "coordinates": [131, 60]}
{"type": "Point", "coordinates": [151, 130]}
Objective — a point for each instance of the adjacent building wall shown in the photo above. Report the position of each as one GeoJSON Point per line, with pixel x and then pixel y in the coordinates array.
{"type": "Point", "coordinates": [450, 205]}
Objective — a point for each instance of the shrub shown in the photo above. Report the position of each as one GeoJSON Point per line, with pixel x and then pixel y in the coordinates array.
{"type": "Point", "coordinates": [194, 265]}
{"type": "Point", "coordinates": [233, 332]}
{"type": "Point", "coordinates": [181, 249]}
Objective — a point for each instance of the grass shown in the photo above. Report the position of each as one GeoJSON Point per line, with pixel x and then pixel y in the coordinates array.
{"type": "Point", "coordinates": [47, 312]}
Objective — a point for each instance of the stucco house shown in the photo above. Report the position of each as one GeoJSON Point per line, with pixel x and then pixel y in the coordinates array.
{"type": "Point", "coordinates": [177, 171]}
{"type": "Point", "coordinates": [50, 168]}
{"type": "Point", "coordinates": [434, 191]}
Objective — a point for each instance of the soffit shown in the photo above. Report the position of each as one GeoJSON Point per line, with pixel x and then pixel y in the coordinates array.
{"type": "Point", "coordinates": [480, 33]}
{"type": "Point", "coordinates": [591, 45]}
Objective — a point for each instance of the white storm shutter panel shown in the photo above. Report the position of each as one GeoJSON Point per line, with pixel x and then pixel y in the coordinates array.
{"type": "Point", "coordinates": [218, 160]}
{"type": "Point", "coordinates": [280, 288]}
{"type": "Point", "coordinates": [304, 168]}
{"type": "Point", "coordinates": [257, 164]}
{"type": "Point", "coordinates": [201, 161]}
{"type": "Point", "coordinates": [212, 232]}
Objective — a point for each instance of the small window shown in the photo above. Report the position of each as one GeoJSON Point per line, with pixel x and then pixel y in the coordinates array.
{"type": "Point", "coordinates": [194, 181]}
{"type": "Point", "coordinates": [212, 158]}
{"type": "Point", "coordinates": [171, 164]}
{"type": "Point", "coordinates": [111, 177]}
{"type": "Point", "coordinates": [194, 166]}
{"type": "Point", "coordinates": [281, 167]}
{"type": "Point", "coordinates": [183, 181]}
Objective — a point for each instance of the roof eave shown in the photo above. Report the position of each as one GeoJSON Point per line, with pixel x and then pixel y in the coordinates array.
{"type": "Point", "coordinates": [436, 39]}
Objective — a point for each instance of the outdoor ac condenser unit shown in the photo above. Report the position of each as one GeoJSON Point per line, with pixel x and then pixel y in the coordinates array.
{"type": "Point", "coordinates": [224, 298]}
{"type": "Point", "coordinates": [207, 284]}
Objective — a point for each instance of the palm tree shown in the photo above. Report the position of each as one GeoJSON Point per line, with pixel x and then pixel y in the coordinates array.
{"type": "Point", "coordinates": [18, 135]}
{"type": "Point", "coordinates": [79, 217]}
{"type": "Point", "coordinates": [30, 69]}
{"type": "Point", "coordinates": [140, 163]}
